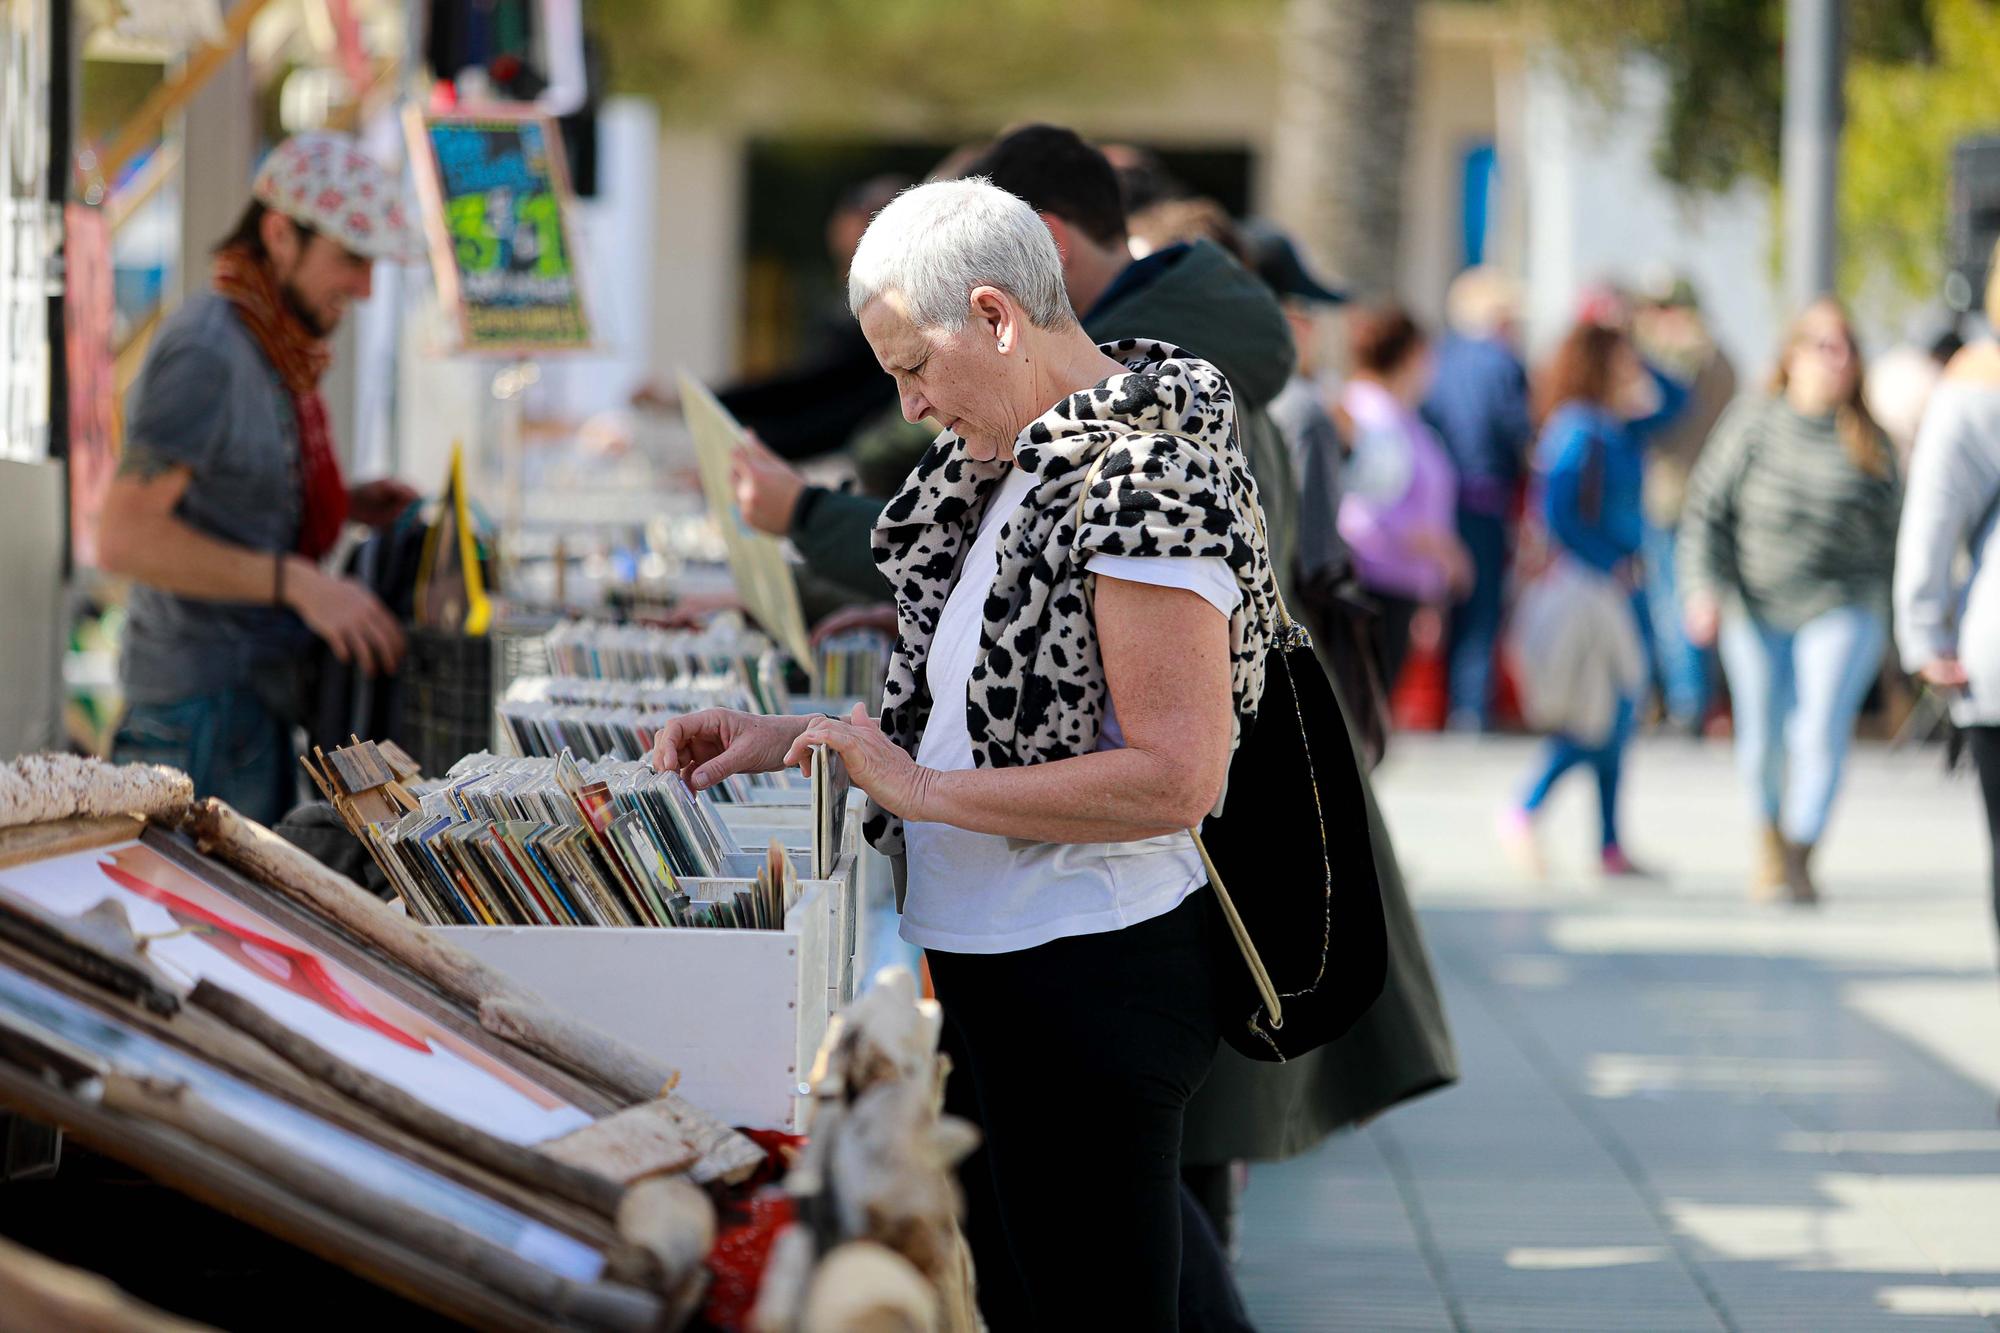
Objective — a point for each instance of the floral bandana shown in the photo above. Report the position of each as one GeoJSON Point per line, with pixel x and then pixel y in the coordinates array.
{"type": "Point", "coordinates": [1170, 480]}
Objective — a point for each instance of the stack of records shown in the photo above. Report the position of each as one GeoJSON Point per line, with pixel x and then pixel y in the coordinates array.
{"type": "Point", "coordinates": [542, 716]}
{"type": "Point", "coordinates": [556, 843]}
{"type": "Point", "coordinates": [641, 652]}
{"type": "Point", "coordinates": [853, 664]}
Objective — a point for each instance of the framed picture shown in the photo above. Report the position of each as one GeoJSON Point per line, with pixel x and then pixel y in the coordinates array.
{"type": "Point", "coordinates": [495, 198]}
{"type": "Point", "coordinates": [286, 1073]}
{"type": "Point", "coordinates": [198, 930]}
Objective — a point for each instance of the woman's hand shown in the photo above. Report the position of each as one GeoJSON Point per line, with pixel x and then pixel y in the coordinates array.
{"type": "Point", "coordinates": [380, 503]}
{"type": "Point", "coordinates": [1945, 672]}
{"type": "Point", "coordinates": [716, 743]}
{"type": "Point", "coordinates": [1702, 619]}
{"type": "Point", "coordinates": [876, 764]}
{"type": "Point", "coordinates": [767, 487]}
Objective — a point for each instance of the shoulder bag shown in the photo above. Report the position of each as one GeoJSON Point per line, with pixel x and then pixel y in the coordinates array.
{"type": "Point", "coordinates": [1305, 908]}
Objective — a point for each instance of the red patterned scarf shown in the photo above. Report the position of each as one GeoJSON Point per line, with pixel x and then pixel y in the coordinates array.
{"type": "Point", "coordinates": [301, 360]}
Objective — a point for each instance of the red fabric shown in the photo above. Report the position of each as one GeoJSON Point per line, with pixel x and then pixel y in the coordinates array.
{"type": "Point", "coordinates": [750, 1220]}
{"type": "Point", "coordinates": [300, 359]}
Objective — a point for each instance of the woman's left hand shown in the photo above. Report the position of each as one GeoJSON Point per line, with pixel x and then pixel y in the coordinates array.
{"type": "Point", "coordinates": [875, 763]}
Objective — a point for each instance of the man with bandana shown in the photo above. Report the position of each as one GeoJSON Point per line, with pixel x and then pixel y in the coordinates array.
{"type": "Point", "coordinates": [230, 491]}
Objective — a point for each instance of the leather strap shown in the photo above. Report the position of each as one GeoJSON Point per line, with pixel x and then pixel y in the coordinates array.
{"type": "Point", "coordinates": [1258, 972]}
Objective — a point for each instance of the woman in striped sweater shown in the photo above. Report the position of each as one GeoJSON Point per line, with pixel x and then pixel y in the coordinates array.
{"type": "Point", "coordinates": [1786, 547]}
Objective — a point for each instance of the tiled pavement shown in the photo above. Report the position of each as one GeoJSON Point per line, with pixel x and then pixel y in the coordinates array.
{"type": "Point", "coordinates": [1677, 1111]}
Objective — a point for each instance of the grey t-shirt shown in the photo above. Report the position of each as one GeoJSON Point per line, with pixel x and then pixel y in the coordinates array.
{"type": "Point", "coordinates": [208, 400]}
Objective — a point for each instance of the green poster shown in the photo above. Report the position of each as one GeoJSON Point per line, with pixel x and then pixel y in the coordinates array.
{"type": "Point", "coordinates": [500, 241]}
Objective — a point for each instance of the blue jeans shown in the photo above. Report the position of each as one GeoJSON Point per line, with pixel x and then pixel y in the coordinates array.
{"type": "Point", "coordinates": [230, 743]}
{"type": "Point", "coordinates": [1685, 673]}
{"type": "Point", "coordinates": [1475, 622]}
{"type": "Point", "coordinates": [1606, 760]}
{"type": "Point", "coordinates": [1796, 695]}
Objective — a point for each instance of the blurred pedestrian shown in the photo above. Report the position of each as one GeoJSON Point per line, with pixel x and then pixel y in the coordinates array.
{"type": "Point", "coordinates": [1786, 547]}
{"type": "Point", "coordinates": [1329, 597]}
{"type": "Point", "coordinates": [1478, 404]}
{"type": "Point", "coordinates": [1182, 222]}
{"type": "Point", "coordinates": [229, 494]}
{"type": "Point", "coordinates": [1577, 634]}
{"type": "Point", "coordinates": [1899, 386]}
{"type": "Point", "coordinates": [1398, 511]}
{"type": "Point", "coordinates": [1948, 623]}
{"type": "Point", "coordinates": [1673, 337]}
{"type": "Point", "coordinates": [834, 388]}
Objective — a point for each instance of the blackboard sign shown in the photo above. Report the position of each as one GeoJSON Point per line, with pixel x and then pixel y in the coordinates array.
{"type": "Point", "coordinates": [494, 194]}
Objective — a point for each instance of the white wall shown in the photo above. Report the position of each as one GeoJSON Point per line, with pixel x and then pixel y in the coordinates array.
{"type": "Point", "coordinates": [616, 248]}
{"type": "Point", "coordinates": [698, 253]}
{"type": "Point", "coordinates": [1595, 209]}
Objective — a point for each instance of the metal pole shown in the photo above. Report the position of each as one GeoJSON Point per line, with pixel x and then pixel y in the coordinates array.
{"type": "Point", "coordinates": [1815, 55]}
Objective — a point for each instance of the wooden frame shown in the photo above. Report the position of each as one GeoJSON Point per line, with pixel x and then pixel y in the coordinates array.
{"type": "Point", "coordinates": [147, 1097]}
{"type": "Point", "coordinates": [444, 264]}
{"type": "Point", "coordinates": [306, 1210]}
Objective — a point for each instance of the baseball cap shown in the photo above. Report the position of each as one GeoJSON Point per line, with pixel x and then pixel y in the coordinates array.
{"type": "Point", "coordinates": [1276, 260]}
{"type": "Point", "coordinates": [326, 182]}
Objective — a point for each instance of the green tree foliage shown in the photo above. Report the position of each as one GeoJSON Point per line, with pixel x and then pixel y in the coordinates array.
{"type": "Point", "coordinates": [827, 58]}
{"type": "Point", "coordinates": [1920, 76]}
{"type": "Point", "coordinates": [1902, 119]}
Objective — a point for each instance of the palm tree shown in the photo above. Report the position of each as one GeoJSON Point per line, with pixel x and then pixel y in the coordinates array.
{"type": "Point", "coordinates": [1348, 70]}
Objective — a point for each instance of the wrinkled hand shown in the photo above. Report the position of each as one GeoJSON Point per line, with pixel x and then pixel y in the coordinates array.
{"type": "Point", "coordinates": [875, 763]}
{"type": "Point", "coordinates": [379, 503]}
{"type": "Point", "coordinates": [350, 618]}
{"type": "Point", "coordinates": [767, 488]}
{"type": "Point", "coordinates": [1702, 619]}
{"type": "Point", "coordinates": [1945, 672]}
{"type": "Point", "coordinates": [657, 397]}
{"type": "Point", "coordinates": [880, 617]}
{"type": "Point", "coordinates": [706, 747]}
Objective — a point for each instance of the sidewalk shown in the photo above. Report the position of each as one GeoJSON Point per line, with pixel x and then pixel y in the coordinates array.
{"type": "Point", "coordinates": [1677, 1111]}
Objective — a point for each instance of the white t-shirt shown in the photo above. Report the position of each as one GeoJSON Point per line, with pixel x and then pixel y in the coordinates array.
{"type": "Point", "coordinates": [981, 893]}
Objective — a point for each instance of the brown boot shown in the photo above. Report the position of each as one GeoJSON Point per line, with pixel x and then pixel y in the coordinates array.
{"type": "Point", "coordinates": [1799, 884]}
{"type": "Point", "coordinates": [1767, 879]}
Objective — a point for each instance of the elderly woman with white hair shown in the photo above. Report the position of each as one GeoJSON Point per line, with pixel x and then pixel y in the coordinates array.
{"type": "Point", "coordinates": [1084, 601]}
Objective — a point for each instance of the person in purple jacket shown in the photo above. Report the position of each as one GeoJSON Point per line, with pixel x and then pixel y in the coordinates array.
{"type": "Point", "coordinates": [1399, 510]}
{"type": "Point", "coordinates": [1598, 403]}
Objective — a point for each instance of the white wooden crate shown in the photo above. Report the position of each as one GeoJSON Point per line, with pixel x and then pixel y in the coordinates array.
{"type": "Point", "coordinates": [740, 1013]}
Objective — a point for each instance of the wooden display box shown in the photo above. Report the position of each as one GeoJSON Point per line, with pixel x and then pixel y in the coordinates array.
{"type": "Point", "coordinates": [739, 1013]}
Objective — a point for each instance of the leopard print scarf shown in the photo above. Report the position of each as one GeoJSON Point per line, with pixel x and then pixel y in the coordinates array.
{"type": "Point", "coordinates": [1173, 481]}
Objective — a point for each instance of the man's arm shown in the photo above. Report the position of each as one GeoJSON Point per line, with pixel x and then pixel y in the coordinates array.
{"type": "Point", "coordinates": [143, 540]}
{"type": "Point", "coordinates": [140, 537]}
{"type": "Point", "coordinates": [834, 532]}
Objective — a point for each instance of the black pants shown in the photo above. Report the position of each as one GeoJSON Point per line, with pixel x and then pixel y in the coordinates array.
{"type": "Point", "coordinates": [1985, 745]}
{"type": "Point", "coordinates": [1077, 1060]}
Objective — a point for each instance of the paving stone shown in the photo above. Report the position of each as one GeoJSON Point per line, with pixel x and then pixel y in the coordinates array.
{"type": "Point", "coordinates": [1678, 1110]}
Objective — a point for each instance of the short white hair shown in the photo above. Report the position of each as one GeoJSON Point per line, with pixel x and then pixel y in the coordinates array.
{"type": "Point", "coordinates": [934, 243]}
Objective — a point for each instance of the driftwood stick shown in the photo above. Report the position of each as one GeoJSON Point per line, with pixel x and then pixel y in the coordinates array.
{"type": "Point", "coordinates": [670, 1227]}
{"type": "Point", "coordinates": [38, 1292]}
{"type": "Point", "coordinates": [505, 1008]}
{"type": "Point", "coordinates": [863, 1287]}
{"type": "Point", "coordinates": [590, 1304]}
{"type": "Point", "coordinates": [629, 1145]}
{"type": "Point", "coordinates": [723, 1155]}
{"type": "Point", "coordinates": [100, 947]}
{"type": "Point", "coordinates": [523, 1165]}
{"type": "Point", "coordinates": [37, 788]}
